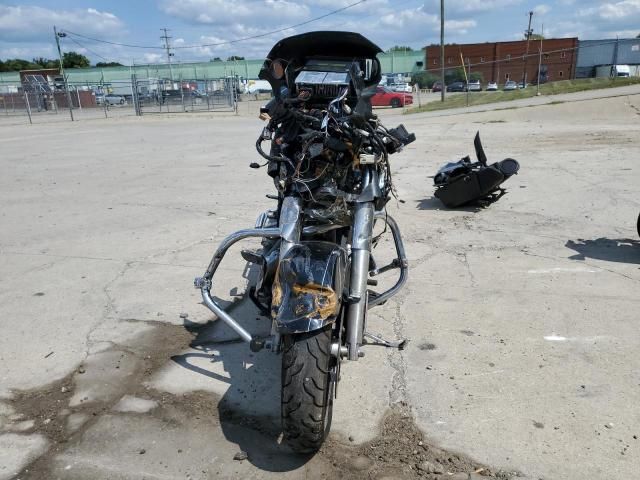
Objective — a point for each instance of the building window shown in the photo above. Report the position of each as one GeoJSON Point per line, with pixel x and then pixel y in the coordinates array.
{"type": "Point", "coordinates": [507, 76]}
{"type": "Point", "coordinates": [481, 59]}
{"type": "Point", "coordinates": [467, 61]}
{"type": "Point", "coordinates": [546, 56]}
{"type": "Point", "coordinates": [561, 74]}
{"type": "Point", "coordinates": [448, 59]}
{"type": "Point", "coordinates": [508, 58]}
{"type": "Point", "coordinates": [435, 61]}
{"type": "Point", "coordinates": [563, 54]}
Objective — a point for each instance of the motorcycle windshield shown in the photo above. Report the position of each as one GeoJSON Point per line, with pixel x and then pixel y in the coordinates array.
{"type": "Point", "coordinates": [308, 283]}
{"type": "Point", "coordinates": [325, 44]}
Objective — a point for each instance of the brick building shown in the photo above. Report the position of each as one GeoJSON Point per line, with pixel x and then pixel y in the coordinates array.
{"type": "Point", "coordinates": [502, 61]}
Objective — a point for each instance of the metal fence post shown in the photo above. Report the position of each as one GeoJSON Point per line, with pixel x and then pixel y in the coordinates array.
{"type": "Point", "coordinates": [26, 100]}
{"type": "Point", "coordinates": [182, 93]}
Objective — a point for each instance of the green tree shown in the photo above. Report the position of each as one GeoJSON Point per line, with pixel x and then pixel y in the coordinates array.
{"type": "Point", "coordinates": [109, 64]}
{"type": "Point", "coordinates": [424, 79]}
{"type": "Point", "coordinates": [216, 59]}
{"type": "Point", "coordinates": [17, 64]}
{"type": "Point", "coordinates": [638, 36]}
{"type": "Point", "coordinates": [536, 36]}
{"type": "Point", "coordinates": [400, 48]}
{"type": "Point", "coordinates": [45, 62]}
{"type": "Point", "coordinates": [233, 58]}
{"type": "Point", "coordinates": [75, 60]}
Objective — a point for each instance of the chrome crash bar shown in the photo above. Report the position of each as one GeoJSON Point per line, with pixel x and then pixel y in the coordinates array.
{"type": "Point", "coordinates": [204, 283]}
{"type": "Point", "coordinates": [400, 262]}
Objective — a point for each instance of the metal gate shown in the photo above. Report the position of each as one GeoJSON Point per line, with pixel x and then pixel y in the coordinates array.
{"type": "Point", "coordinates": [162, 95]}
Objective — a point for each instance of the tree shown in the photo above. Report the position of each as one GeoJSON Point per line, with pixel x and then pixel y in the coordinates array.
{"type": "Point", "coordinates": [75, 60]}
{"type": "Point", "coordinates": [216, 59]}
{"type": "Point", "coordinates": [535, 36]}
{"type": "Point", "coordinates": [109, 64]}
{"type": "Point", "coordinates": [17, 64]}
{"type": "Point", "coordinates": [400, 48]}
{"type": "Point", "coordinates": [45, 62]}
{"type": "Point", "coordinates": [638, 36]}
{"type": "Point", "coordinates": [424, 79]}
{"type": "Point", "coordinates": [233, 58]}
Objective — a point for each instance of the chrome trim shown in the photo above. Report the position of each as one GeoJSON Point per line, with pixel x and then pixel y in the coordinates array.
{"type": "Point", "coordinates": [204, 283]}
{"type": "Point", "coordinates": [402, 260]}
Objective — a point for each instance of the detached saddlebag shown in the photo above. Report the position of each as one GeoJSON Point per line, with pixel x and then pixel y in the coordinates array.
{"type": "Point", "coordinates": [465, 182]}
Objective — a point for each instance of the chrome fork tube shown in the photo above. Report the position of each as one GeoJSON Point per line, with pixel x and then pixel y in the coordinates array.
{"type": "Point", "coordinates": [360, 252]}
{"type": "Point", "coordinates": [290, 223]}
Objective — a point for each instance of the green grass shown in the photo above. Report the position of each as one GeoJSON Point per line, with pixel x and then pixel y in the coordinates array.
{"type": "Point", "coordinates": [553, 88]}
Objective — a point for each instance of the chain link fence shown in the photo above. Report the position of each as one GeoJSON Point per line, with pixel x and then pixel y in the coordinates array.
{"type": "Point", "coordinates": [36, 100]}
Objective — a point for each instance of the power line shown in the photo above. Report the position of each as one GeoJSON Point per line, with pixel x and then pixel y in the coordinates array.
{"type": "Point", "coordinates": [89, 50]}
{"type": "Point", "coordinates": [230, 42]}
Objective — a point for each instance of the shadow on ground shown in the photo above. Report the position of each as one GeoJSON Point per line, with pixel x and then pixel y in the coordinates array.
{"type": "Point", "coordinates": [621, 250]}
{"type": "Point", "coordinates": [433, 203]}
{"type": "Point", "coordinates": [249, 411]}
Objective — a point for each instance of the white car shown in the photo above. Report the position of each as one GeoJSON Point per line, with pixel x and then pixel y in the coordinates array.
{"type": "Point", "coordinates": [112, 99]}
{"type": "Point", "coordinates": [474, 86]}
{"type": "Point", "coordinates": [510, 86]}
{"type": "Point", "coordinates": [492, 87]}
{"type": "Point", "coordinates": [401, 87]}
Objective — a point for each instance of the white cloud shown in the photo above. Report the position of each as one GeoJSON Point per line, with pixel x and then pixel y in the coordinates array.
{"type": "Point", "coordinates": [542, 9]}
{"type": "Point", "coordinates": [154, 58]}
{"type": "Point", "coordinates": [468, 6]}
{"type": "Point", "coordinates": [222, 12]}
{"type": "Point", "coordinates": [460, 27]}
{"type": "Point", "coordinates": [612, 11]}
{"type": "Point", "coordinates": [31, 23]}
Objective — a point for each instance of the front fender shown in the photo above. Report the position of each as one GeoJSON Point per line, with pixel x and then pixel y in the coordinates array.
{"type": "Point", "coordinates": [308, 286]}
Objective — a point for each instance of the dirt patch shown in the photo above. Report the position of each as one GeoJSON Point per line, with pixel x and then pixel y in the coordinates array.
{"type": "Point", "coordinates": [49, 406]}
{"type": "Point", "coordinates": [401, 451]}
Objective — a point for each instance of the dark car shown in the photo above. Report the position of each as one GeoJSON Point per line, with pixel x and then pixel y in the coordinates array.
{"type": "Point", "coordinates": [456, 87]}
{"type": "Point", "coordinates": [437, 87]}
{"type": "Point", "coordinates": [385, 97]}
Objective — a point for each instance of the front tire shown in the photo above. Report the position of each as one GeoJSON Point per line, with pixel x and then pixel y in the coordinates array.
{"type": "Point", "coordinates": [395, 103]}
{"type": "Point", "coordinates": [306, 389]}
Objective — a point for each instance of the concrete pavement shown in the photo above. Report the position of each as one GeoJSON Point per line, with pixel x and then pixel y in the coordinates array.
{"type": "Point", "coordinates": [523, 354]}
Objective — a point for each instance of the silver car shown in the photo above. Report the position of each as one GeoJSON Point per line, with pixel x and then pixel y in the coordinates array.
{"type": "Point", "coordinates": [112, 99]}
{"type": "Point", "coordinates": [510, 86]}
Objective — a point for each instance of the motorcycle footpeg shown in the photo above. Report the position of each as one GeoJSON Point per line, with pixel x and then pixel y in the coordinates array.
{"type": "Point", "coordinates": [252, 257]}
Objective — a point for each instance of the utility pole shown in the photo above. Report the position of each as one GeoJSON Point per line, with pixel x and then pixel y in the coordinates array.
{"type": "Point", "coordinates": [528, 34]}
{"type": "Point", "coordinates": [540, 60]}
{"type": "Point", "coordinates": [442, 50]}
{"type": "Point", "coordinates": [58, 36]}
{"type": "Point", "coordinates": [167, 47]}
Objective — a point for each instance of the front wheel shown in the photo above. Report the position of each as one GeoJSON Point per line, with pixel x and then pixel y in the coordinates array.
{"type": "Point", "coordinates": [395, 102]}
{"type": "Point", "coordinates": [306, 389]}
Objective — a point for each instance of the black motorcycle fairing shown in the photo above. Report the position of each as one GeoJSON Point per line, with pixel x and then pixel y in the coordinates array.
{"type": "Point", "coordinates": [308, 287]}
{"type": "Point", "coordinates": [294, 51]}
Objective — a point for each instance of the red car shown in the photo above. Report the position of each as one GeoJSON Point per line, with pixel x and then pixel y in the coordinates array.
{"type": "Point", "coordinates": [388, 98]}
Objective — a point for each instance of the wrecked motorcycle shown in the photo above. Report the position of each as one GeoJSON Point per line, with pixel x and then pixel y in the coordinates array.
{"type": "Point", "coordinates": [328, 156]}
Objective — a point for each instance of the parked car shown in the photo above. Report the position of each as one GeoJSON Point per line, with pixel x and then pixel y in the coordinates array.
{"type": "Point", "coordinates": [436, 87]}
{"type": "Point", "coordinates": [492, 87]}
{"type": "Point", "coordinates": [401, 87]}
{"type": "Point", "coordinates": [474, 86]}
{"type": "Point", "coordinates": [113, 99]}
{"type": "Point", "coordinates": [99, 98]}
{"type": "Point", "coordinates": [385, 97]}
{"type": "Point", "coordinates": [509, 86]}
{"type": "Point", "coordinates": [522, 85]}
{"type": "Point", "coordinates": [456, 87]}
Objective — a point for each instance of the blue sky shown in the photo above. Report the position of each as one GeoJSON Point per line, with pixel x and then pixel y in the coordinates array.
{"type": "Point", "coordinates": [26, 26]}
